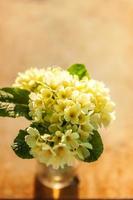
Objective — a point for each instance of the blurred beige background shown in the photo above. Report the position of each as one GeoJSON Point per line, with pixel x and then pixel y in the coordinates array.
{"type": "Point", "coordinates": [98, 33]}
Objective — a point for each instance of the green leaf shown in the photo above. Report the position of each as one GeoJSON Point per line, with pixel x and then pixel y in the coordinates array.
{"type": "Point", "coordinates": [14, 102]}
{"type": "Point", "coordinates": [42, 128]}
{"type": "Point", "coordinates": [97, 145]}
{"type": "Point", "coordinates": [79, 70]}
{"type": "Point", "coordinates": [14, 95]}
{"type": "Point", "coordinates": [14, 110]}
{"type": "Point", "coordinates": [20, 147]}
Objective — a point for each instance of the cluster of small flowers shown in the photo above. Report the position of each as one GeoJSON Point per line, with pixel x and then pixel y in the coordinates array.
{"type": "Point", "coordinates": [70, 109]}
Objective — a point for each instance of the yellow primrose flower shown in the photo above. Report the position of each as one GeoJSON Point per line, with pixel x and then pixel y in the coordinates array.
{"type": "Point", "coordinates": [63, 156]}
{"type": "Point", "coordinates": [85, 100]}
{"type": "Point", "coordinates": [97, 87]}
{"type": "Point", "coordinates": [49, 104]}
{"type": "Point", "coordinates": [82, 152]}
{"type": "Point", "coordinates": [36, 151]}
{"type": "Point", "coordinates": [72, 113]}
{"type": "Point", "coordinates": [86, 127]}
{"type": "Point", "coordinates": [85, 130]}
{"type": "Point", "coordinates": [83, 135]}
{"type": "Point", "coordinates": [57, 137]}
{"type": "Point", "coordinates": [100, 103]}
{"type": "Point", "coordinates": [54, 127]}
{"type": "Point", "coordinates": [30, 79]}
{"type": "Point", "coordinates": [36, 98]}
{"type": "Point", "coordinates": [53, 83]}
{"type": "Point", "coordinates": [47, 116]}
{"type": "Point", "coordinates": [69, 102]}
{"type": "Point", "coordinates": [36, 114]}
{"type": "Point", "coordinates": [46, 137]}
{"type": "Point", "coordinates": [109, 107]}
{"type": "Point", "coordinates": [60, 106]}
{"type": "Point", "coordinates": [46, 155]}
{"type": "Point", "coordinates": [95, 120]}
{"type": "Point", "coordinates": [66, 83]}
{"type": "Point", "coordinates": [55, 118]}
{"type": "Point", "coordinates": [46, 94]}
{"type": "Point", "coordinates": [64, 93]}
{"type": "Point", "coordinates": [33, 136]}
{"type": "Point", "coordinates": [82, 85]}
{"type": "Point", "coordinates": [83, 118]}
{"type": "Point", "coordinates": [87, 145]}
{"type": "Point", "coordinates": [35, 101]}
{"type": "Point", "coordinates": [73, 127]}
{"type": "Point", "coordinates": [70, 139]}
{"type": "Point", "coordinates": [106, 118]}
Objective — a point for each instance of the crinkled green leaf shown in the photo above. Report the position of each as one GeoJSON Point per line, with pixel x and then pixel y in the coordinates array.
{"type": "Point", "coordinates": [14, 102]}
{"type": "Point", "coordinates": [14, 95]}
{"type": "Point", "coordinates": [97, 149]}
{"type": "Point", "coordinates": [20, 147]}
{"type": "Point", "coordinates": [79, 70]}
{"type": "Point", "coordinates": [42, 128]}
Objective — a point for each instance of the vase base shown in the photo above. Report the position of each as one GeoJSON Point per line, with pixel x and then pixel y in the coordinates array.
{"type": "Point", "coordinates": [55, 178]}
{"type": "Point", "coordinates": [55, 184]}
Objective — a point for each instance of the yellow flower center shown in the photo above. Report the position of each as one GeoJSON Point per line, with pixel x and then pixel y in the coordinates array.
{"type": "Point", "coordinates": [72, 115]}
{"type": "Point", "coordinates": [68, 138]}
{"type": "Point", "coordinates": [60, 151]}
{"type": "Point", "coordinates": [47, 153]}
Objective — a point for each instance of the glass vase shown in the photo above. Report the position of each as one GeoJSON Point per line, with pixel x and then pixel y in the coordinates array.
{"type": "Point", "coordinates": [55, 178]}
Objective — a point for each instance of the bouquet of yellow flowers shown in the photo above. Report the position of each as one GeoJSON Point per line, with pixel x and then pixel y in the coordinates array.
{"type": "Point", "coordinates": [66, 109]}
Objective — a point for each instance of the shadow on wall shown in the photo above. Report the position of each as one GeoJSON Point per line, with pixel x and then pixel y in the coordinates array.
{"type": "Point", "coordinates": [42, 192]}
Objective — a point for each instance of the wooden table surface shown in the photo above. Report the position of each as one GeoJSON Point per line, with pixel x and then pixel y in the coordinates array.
{"type": "Point", "coordinates": [98, 33]}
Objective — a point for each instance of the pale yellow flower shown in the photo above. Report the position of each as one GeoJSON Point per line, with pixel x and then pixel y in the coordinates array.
{"type": "Point", "coordinates": [95, 120]}
{"type": "Point", "coordinates": [54, 127]}
{"type": "Point", "coordinates": [30, 79]}
{"type": "Point", "coordinates": [57, 137]}
{"type": "Point", "coordinates": [85, 101]}
{"type": "Point", "coordinates": [60, 106]}
{"type": "Point", "coordinates": [83, 118]}
{"type": "Point", "coordinates": [33, 136]}
{"type": "Point", "coordinates": [64, 93]}
{"type": "Point", "coordinates": [106, 118]}
{"type": "Point", "coordinates": [49, 104]}
{"type": "Point", "coordinates": [36, 151]}
{"type": "Point", "coordinates": [70, 139]}
{"type": "Point", "coordinates": [63, 156]}
{"type": "Point", "coordinates": [73, 127]}
{"type": "Point", "coordinates": [72, 113]}
{"type": "Point", "coordinates": [86, 127]}
{"type": "Point", "coordinates": [46, 155]}
{"type": "Point", "coordinates": [84, 131]}
{"type": "Point", "coordinates": [36, 114]}
{"type": "Point", "coordinates": [83, 151]}
{"type": "Point", "coordinates": [46, 94]}
{"type": "Point", "coordinates": [46, 137]}
{"type": "Point", "coordinates": [83, 135]}
{"type": "Point", "coordinates": [55, 118]}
